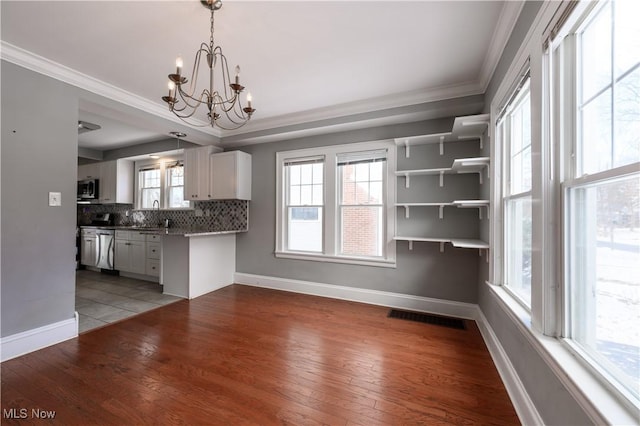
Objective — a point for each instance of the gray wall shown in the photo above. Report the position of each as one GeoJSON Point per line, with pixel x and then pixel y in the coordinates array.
{"type": "Point", "coordinates": [424, 271]}
{"type": "Point", "coordinates": [554, 403]}
{"type": "Point", "coordinates": [38, 151]}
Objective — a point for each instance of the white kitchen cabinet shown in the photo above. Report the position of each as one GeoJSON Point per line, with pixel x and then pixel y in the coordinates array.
{"type": "Point", "coordinates": [89, 171]}
{"type": "Point", "coordinates": [88, 247]}
{"type": "Point", "coordinates": [130, 253]}
{"type": "Point", "coordinates": [116, 182]}
{"type": "Point", "coordinates": [230, 176]}
{"type": "Point", "coordinates": [196, 173]}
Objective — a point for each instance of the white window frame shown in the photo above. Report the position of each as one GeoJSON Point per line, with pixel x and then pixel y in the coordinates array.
{"type": "Point", "coordinates": [162, 165]}
{"type": "Point", "coordinates": [331, 222]}
{"type": "Point", "coordinates": [542, 325]}
{"type": "Point", "coordinates": [504, 141]}
{"type": "Point", "coordinates": [565, 75]}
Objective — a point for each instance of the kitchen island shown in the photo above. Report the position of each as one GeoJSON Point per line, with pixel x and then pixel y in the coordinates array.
{"type": "Point", "coordinates": [195, 263]}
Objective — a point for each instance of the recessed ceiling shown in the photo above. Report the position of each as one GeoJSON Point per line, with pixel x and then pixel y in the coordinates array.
{"type": "Point", "coordinates": [299, 59]}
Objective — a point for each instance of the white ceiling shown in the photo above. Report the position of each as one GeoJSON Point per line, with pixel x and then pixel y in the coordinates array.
{"type": "Point", "coordinates": [302, 60]}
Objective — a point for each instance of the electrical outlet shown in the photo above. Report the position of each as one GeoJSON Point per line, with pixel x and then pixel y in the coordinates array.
{"type": "Point", "coordinates": [198, 213]}
{"type": "Point", "coordinates": [55, 199]}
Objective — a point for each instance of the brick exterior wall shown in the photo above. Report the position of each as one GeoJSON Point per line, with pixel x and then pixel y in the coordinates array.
{"type": "Point", "coordinates": [359, 223]}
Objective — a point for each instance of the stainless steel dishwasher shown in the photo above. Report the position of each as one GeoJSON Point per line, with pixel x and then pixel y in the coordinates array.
{"type": "Point", "coordinates": [106, 248]}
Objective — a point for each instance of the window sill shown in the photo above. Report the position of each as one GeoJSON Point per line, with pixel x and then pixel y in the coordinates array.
{"type": "Point", "coordinates": [599, 402]}
{"type": "Point", "coordinates": [362, 261]}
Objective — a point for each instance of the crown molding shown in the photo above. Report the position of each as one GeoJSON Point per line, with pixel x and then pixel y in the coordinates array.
{"type": "Point", "coordinates": [361, 107]}
{"type": "Point", "coordinates": [506, 22]}
{"type": "Point", "coordinates": [55, 70]}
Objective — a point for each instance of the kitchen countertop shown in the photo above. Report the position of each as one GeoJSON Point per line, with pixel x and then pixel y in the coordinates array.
{"type": "Point", "coordinates": [186, 232]}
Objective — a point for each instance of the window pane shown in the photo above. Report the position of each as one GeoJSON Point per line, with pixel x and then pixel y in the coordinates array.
{"type": "Point", "coordinates": [375, 192]}
{"type": "Point", "coordinates": [596, 54]}
{"type": "Point", "coordinates": [306, 174]}
{"type": "Point", "coordinates": [176, 198]}
{"type": "Point", "coordinates": [627, 119]}
{"type": "Point", "coordinates": [148, 196]}
{"type": "Point", "coordinates": [604, 259]}
{"type": "Point", "coordinates": [294, 174]}
{"type": "Point", "coordinates": [294, 196]}
{"type": "Point", "coordinates": [304, 232]}
{"type": "Point", "coordinates": [305, 195]}
{"type": "Point", "coordinates": [362, 231]}
{"type": "Point", "coordinates": [520, 145]}
{"type": "Point", "coordinates": [362, 172]}
{"type": "Point", "coordinates": [627, 35]}
{"type": "Point", "coordinates": [317, 195]}
{"type": "Point", "coordinates": [518, 247]}
{"type": "Point", "coordinates": [376, 170]}
{"type": "Point", "coordinates": [595, 147]}
{"type": "Point", "coordinates": [317, 170]}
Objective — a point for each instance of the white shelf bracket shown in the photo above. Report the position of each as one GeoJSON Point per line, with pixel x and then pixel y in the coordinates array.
{"type": "Point", "coordinates": [441, 179]}
{"type": "Point", "coordinates": [480, 176]}
{"type": "Point", "coordinates": [410, 245]}
{"type": "Point", "coordinates": [486, 251]}
{"type": "Point", "coordinates": [407, 149]}
{"type": "Point", "coordinates": [441, 246]}
{"type": "Point", "coordinates": [407, 181]}
{"type": "Point", "coordinates": [406, 212]}
{"type": "Point", "coordinates": [441, 211]}
{"type": "Point", "coordinates": [480, 213]}
{"type": "Point", "coordinates": [441, 145]}
{"type": "Point", "coordinates": [481, 141]}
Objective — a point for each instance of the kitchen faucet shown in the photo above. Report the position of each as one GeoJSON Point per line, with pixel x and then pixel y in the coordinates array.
{"type": "Point", "coordinates": [154, 204]}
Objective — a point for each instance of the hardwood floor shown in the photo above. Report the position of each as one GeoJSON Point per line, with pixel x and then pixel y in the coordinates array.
{"type": "Point", "coordinates": [244, 355]}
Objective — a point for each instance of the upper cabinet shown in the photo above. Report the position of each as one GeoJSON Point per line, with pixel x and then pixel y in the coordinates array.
{"type": "Point", "coordinates": [89, 171]}
{"type": "Point", "coordinates": [230, 176]}
{"type": "Point", "coordinates": [223, 176]}
{"type": "Point", "coordinates": [116, 182]}
{"type": "Point", "coordinates": [196, 173]}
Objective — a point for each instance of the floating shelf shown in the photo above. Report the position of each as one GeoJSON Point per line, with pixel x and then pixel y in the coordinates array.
{"type": "Point", "coordinates": [459, 166]}
{"type": "Point", "coordinates": [456, 242]}
{"type": "Point", "coordinates": [468, 127]}
{"type": "Point", "coordinates": [442, 241]}
{"type": "Point", "coordinates": [408, 205]}
{"type": "Point", "coordinates": [474, 244]}
{"type": "Point", "coordinates": [473, 204]}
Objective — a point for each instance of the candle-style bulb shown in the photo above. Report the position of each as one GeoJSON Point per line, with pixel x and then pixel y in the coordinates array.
{"type": "Point", "coordinates": [249, 99]}
{"type": "Point", "coordinates": [172, 89]}
{"type": "Point", "coordinates": [179, 65]}
{"type": "Point", "coordinates": [237, 74]}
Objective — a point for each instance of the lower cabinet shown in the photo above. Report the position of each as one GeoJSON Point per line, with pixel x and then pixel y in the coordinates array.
{"type": "Point", "coordinates": [153, 255]}
{"type": "Point", "coordinates": [88, 250]}
{"type": "Point", "coordinates": [131, 252]}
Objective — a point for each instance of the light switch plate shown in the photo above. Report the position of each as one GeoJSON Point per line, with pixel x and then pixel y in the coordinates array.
{"type": "Point", "coordinates": [55, 199]}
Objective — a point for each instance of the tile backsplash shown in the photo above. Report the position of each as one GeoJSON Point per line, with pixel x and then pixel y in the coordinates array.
{"type": "Point", "coordinates": [215, 216]}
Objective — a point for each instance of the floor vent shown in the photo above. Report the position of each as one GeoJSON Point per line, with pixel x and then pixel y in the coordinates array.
{"type": "Point", "coordinates": [428, 318]}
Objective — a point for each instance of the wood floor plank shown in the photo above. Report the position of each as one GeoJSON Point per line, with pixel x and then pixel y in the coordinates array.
{"type": "Point", "coordinates": [246, 355]}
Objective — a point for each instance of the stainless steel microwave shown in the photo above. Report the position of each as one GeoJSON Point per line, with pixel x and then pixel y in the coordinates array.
{"type": "Point", "coordinates": [88, 189]}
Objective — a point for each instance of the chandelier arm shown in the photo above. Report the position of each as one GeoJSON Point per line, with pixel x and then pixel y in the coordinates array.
{"type": "Point", "coordinates": [193, 83]}
{"type": "Point", "coordinates": [194, 108]}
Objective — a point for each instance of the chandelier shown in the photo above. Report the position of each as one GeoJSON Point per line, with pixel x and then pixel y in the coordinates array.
{"type": "Point", "coordinates": [224, 106]}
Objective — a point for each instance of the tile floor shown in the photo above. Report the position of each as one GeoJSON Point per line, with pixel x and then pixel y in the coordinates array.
{"type": "Point", "coordinates": [102, 299]}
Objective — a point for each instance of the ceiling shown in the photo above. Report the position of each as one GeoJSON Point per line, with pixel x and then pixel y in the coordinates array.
{"type": "Point", "coordinates": [303, 61]}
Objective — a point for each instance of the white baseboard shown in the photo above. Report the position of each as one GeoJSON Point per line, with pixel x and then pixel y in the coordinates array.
{"type": "Point", "coordinates": [373, 297]}
{"type": "Point", "coordinates": [526, 410]}
{"type": "Point", "coordinates": [31, 340]}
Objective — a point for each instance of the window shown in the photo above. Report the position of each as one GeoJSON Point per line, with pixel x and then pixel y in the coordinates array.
{"type": "Point", "coordinates": [304, 204]}
{"type": "Point", "coordinates": [161, 185]}
{"type": "Point", "coordinates": [149, 187]}
{"type": "Point", "coordinates": [514, 134]}
{"type": "Point", "coordinates": [336, 204]}
{"type": "Point", "coordinates": [361, 180]}
{"type": "Point", "coordinates": [175, 186]}
{"type": "Point", "coordinates": [601, 187]}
